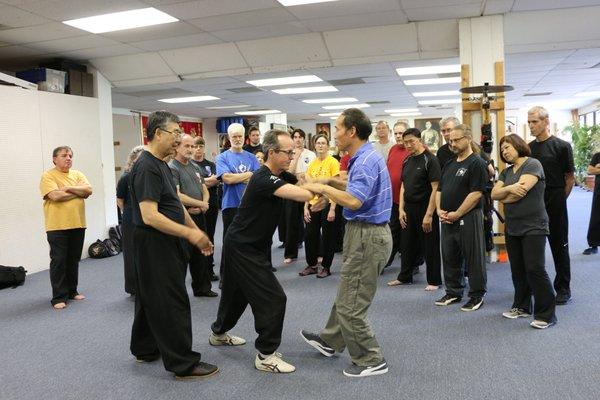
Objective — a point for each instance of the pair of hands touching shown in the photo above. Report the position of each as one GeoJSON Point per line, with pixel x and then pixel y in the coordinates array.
{"type": "Point", "coordinates": [198, 210]}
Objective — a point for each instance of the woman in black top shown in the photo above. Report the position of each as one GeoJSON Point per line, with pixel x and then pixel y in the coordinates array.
{"type": "Point", "coordinates": [521, 188]}
{"type": "Point", "coordinates": [124, 204]}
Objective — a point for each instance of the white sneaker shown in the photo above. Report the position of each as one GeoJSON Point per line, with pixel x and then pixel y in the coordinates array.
{"type": "Point", "coordinates": [273, 363]}
{"type": "Point", "coordinates": [515, 313]}
{"type": "Point", "coordinates": [537, 324]}
{"type": "Point", "coordinates": [225, 340]}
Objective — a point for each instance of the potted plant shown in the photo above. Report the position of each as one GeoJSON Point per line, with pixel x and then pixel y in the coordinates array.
{"type": "Point", "coordinates": [586, 141]}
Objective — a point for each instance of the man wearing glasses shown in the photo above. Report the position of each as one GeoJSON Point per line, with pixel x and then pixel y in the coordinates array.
{"type": "Point", "coordinates": [444, 153]}
{"type": "Point", "coordinates": [162, 325]}
{"type": "Point", "coordinates": [459, 207]}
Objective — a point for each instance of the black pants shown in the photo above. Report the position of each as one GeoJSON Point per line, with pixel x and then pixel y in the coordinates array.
{"type": "Point", "coordinates": [163, 322]}
{"type": "Point", "coordinates": [320, 231]}
{"type": "Point", "coordinates": [463, 243]}
{"type": "Point", "coordinates": [593, 235]}
{"type": "Point", "coordinates": [228, 214]}
{"type": "Point", "coordinates": [128, 254]}
{"type": "Point", "coordinates": [527, 264]}
{"type": "Point", "coordinates": [211, 217]}
{"type": "Point", "coordinates": [556, 207]}
{"type": "Point", "coordinates": [65, 253]}
{"type": "Point", "coordinates": [415, 242]}
{"type": "Point", "coordinates": [200, 269]}
{"type": "Point", "coordinates": [396, 230]}
{"type": "Point", "coordinates": [249, 280]}
{"type": "Point", "coordinates": [293, 213]}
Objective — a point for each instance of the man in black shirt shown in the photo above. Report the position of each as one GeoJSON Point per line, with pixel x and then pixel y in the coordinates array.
{"type": "Point", "coordinates": [593, 235]}
{"type": "Point", "coordinates": [421, 233]}
{"type": "Point", "coordinates": [248, 278]}
{"type": "Point", "coordinates": [208, 169]}
{"type": "Point", "coordinates": [254, 136]}
{"type": "Point", "coordinates": [556, 157]}
{"type": "Point", "coordinates": [459, 208]}
{"type": "Point", "coordinates": [163, 325]}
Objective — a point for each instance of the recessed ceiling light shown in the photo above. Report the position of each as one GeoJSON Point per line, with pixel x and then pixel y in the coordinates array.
{"type": "Point", "coordinates": [436, 94]}
{"type": "Point", "coordinates": [430, 70]}
{"type": "Point", "coordinates": [122, 20]}
{"type": "Point", "coordinates": [432, 81]}
{"type": "Point", "coordinates": [402, 110]}
{"type": "Point", "coordinates": [406, 114]}
{"type": "Point", "coordinates": [189, 99]}
{"type": "Point", "coordinates": [324, 101]}
{"type": "Point", "coordinates": [227, 107]}
{"type": "Point", "coordinates": [588, 94]}
{"type": "Point", "coordinates": [290, 80]}
{"type": "Point", "coordinates": [344, 106]}
{"type": "Point", "coordinates": [309, 89]}
{"type": "Point", "coordinates": [258, 112]}
{"type": "Point", "coordinates": [335, 114]}
{"type": "Point", "coordinates": [289, 3]}
{"type": "Point", "coordinates": [440, 101]}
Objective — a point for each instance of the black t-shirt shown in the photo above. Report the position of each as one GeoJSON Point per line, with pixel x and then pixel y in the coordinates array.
{"type": "Point", "coordinates": [123, 193]}
{"type": "Point", "coordinates": [556, 157]}
{"type": "Point", "coordinates": [253, 149]}
{"type": "Point", "coordinates": [207, 169]}
{"type": "Point", "coordinates": [596, 160]}
{"type": "Point", "coordinates": [151, 179]}
{"type": "Point", "coordinates": [258, 212]}
{"type": "Point", "coordinates": [444, 154]}
{"type": "Point", "coordinates": [417, 174]}
{"type": "Point", "coordinates": [461, 178]}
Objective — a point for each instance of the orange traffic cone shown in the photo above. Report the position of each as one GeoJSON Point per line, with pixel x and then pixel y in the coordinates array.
{"type": "Point", "coordinates": [502, 256]}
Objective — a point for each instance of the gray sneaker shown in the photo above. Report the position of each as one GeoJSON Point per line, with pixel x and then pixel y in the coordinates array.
{"type": "Point", "coordinates": [315, 341]}
{"type": "Point", "coordinates": [515, 313]}
{"type": "Point", "coordinates": [356, 371]}
{"type": "Point", "coordinates": [225, 340]}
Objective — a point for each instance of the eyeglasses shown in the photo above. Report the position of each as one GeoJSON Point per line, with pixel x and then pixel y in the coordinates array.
{"type": "Point", "coordinates": [446, 130]}
{"type": "Point", "coordinates": [176, 132]}
{"type": "Point", "coordinates": [290, 153]}
{"type": "Point", "coordinates": [456, 140]}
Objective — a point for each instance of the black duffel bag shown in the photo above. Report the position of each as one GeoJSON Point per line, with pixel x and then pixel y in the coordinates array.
{"type": "Point", "coordinates": [11, 277]}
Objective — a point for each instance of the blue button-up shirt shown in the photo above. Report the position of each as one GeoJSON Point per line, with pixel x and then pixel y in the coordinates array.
{"type": "Point", "coordinates": [369, 181]}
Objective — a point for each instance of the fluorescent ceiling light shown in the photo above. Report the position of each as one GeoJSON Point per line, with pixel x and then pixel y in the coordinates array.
{"type": "Point", "coordinates": [432, 81]}
{"type": "Point", "coordinates": [344, 106]}
{"type": "Point", "coordinates": [588, 94]}
{"type": "Point", "coordinates": [333, 117]}
{"type": "Point", "coordinates": [440, 101]}
{"type": "Point", "coordinates": [436, 94]}
{"type": "Point", "coordinates": [289, 3]}
{"type": "Point", "coordinates": [324, 101]}
{"type": "Point", "coordinates": [258, 112]}
{"type": "Point", "coordinates": [309, 89]}
{"type": "Point", "coordinates": [122, 20]}
{"type": "Point", "coordinates": [227, 107]}
{"type": "Point", "coordinates": [415, 114]}
{"type": "Point", "coordinates": [189, 99]}
{"type": "Point", "coordinates": [430, 70]}
{"type": "Point", "coordinates": [335, 114]}
{"type": "Point", "coordinates": [402, 110]}
{"type": "Point", "coordinates": [290, 80]}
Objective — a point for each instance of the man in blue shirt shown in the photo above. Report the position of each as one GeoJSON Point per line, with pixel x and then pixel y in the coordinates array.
{"type": "Point", "coordinates": [367, 201]}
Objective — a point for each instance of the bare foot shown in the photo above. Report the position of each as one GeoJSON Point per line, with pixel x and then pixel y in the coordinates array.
{"type": "Point", "coordinates": [319, 260]}
{"type": "Point", "coordinates": [288, 260]}
{"type": "Point", "coordinates": [431, 288]}
{"type": "Point", "coordinates": [79, 297]}
{"type": "Point", "coordinates": [395, 282]}
{"type": "Point", "coordinates": [59, 306]}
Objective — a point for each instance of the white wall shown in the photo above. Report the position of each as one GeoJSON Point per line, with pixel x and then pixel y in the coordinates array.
{"type": "Point", "coordinates": [32, 124]}
{"type": "Point", "coordinates": [126, 128]}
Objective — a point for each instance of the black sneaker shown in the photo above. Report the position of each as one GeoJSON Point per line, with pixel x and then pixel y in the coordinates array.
{"type": "Point", "coordinates": [355, 371]}
{"type": "Point", "coordinates": [214, 278]}
{"type": "Point", "coordinates": [473, 304]}
{"type": "Point", "coordinates": [563, 298]}
{"type": "Point", "coordinates": [591, 250]}
{"type": "Point", "coordinates": [315, 341]}
{"type": "Point", "coordinates": [447, 300]}
{"type": "Point", "coordinates": [200, 370]}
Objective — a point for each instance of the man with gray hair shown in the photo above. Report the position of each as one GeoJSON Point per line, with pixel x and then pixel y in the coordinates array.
{"type": "Point", "coordinates": [383, 144]}
{"type": "Point", "coordinates": [248, 278]}
{"type": "Point", "coordinates": [444, 153]}
{"type": "Point", "coordinates": [556, 157]}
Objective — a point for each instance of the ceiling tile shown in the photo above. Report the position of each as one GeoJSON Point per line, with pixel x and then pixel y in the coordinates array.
{"type": "Point", "coordinates": [392, 17]}
{"type": "Point", "coordinates": [63, 10]}
{"type": "Point", "coordinates": [243, 20]}
{"type": "Point", "coordinates": [409, 4]}
{"type": "Point", "coordinates": [100, 52]}
{"type": "Point", "coordinates": [146, 81]}
{"type": "Point", "coordinates": [207, 8]}
{"type": "Point", "coordinates": [18, 51]}
{"type": "Point", "coordinates": [30, 34]}
{"type": "Point", "coordinates": [438, 35]}
{"type": "Point", "coordinates": [498, 6]}
{"type": "Point", "coordinates": [446, 12]}
{"type": "Point", "coordinates": [76, 43]}
{"type": "Point", "coordinates": [177, 42]}
{"type": "Point", "coordinates": [15, 18]}
{"type": "Point", "coordinates": [136, 66]}
{"type": "Point", "coordinates": [204, 59]}
{"type": "Point", "coordinates": [299, 49]}
{"type": "Point", "coordinates": [155, 32]}
{"type": "Point", "coordinates": [259, 32]}
{"type": "Point", "coordinates": [348, 7]}
{"type": "Point", "coordinates": [531, 5]}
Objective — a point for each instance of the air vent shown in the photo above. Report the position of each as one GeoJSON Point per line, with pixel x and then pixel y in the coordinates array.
{"type": "Point", "coordinates": [348, 81]}
{"type": "Point", "coordinates": [162, 93]}
{"type": "Point", "coordinates": [537, 94]}
{"type": "Point", "coordinates": [378, 102]}
{"type": "Point", "coordinates": [250, 89]}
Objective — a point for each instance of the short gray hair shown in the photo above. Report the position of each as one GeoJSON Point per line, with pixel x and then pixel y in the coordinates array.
{"type": "Point", "coordinates": [541, 112]}
{"type": "Point", "coordinates": [401, 123]}
{"type": "Point", "coordinates": [235, 128]}
{"type": "Point", "coordinates": [271, 141]}
{"type": "Point", "coordinates": [454, 120]}
{"type": "Point", "coordinates": [132, 157]}
{"type": "Point", "coordinates": [159, 120]}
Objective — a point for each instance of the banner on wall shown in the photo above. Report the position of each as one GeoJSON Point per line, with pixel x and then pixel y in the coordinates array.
{"type": "Point", "coordinates": [191, 128]}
